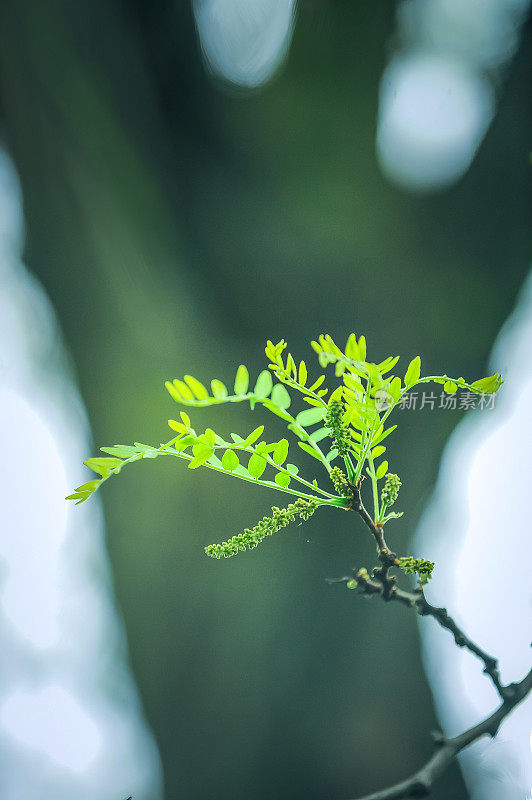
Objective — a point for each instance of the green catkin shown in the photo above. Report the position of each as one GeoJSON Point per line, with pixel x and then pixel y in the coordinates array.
{"type": "Point", "coordinates": [338, 430]}
{"type": "Point", "coordinates": [390, 490]}
{"type": "Point", "coordinates": [251, 537]}
{"type": "Point", "coordinates": [340, 482]}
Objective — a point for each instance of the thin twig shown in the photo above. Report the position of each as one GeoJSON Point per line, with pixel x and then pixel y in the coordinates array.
{"type": "Point", "coordinates": [386, 557]}
{"type": "Point", "coordinates": [385, 585]}
{"type": "Point", "coordinates": [421, 782]}
{"type": "Point", "coordinates": [418, 601]}
{"type": "Point", "coordinates": [382, 583]}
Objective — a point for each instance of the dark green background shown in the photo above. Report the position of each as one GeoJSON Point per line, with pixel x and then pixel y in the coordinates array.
{"type": "Point", "coordinates": [177, 225]}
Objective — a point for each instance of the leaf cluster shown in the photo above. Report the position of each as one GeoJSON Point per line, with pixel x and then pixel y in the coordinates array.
{"type": "Point", "coordinates": [417, 566]}
{"type": "Point", "coordinates": [348, 423]}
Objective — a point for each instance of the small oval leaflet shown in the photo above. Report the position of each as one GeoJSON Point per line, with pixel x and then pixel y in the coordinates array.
{"type": "Point", "coordinates": [281, 452]}
{"type": "Point", "coordinates": [264, 384]}
{"type": "Point", "coordinates": [230, 460]}
{"type": "Point", "coordinates": [256, 465]}
{"type": "Point", "coordinates": [241, 380]}
{"type": "Point", "coordinates": [280, 396]}
{"type": "Point", "coordinates": [413, 372]}
{"type": "Point", "coordinates": [310, 416]}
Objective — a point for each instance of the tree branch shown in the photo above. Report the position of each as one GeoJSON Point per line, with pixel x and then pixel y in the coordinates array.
{"type": "Point", "coordinates": [386, 557]}
{"type": "Point", "coordinates": [420, 783]}
{"type": "Point", "coordinates": [418, 601]}
{"type": "Point", "coordinates": [385, 585]}
{"type": "Point", "coordinates": [382, 583]}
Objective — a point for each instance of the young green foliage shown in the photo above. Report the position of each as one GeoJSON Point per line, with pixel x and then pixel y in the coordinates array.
{"type": "Point", "coordinates": [349, 424]}
{"type": "Point", "coordinates": [416, 566]}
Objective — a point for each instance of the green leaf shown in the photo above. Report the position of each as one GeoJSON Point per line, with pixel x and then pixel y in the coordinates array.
{"type": "Point", "coordinates": [308, 449]}
{"type": "Point", "coordinates": [395, 389]}
{"type": "Point", "coordinates": [384, 434]}
{"type": "Point", "coordinates": [282, 479]}
{"type": "Point", "coordinates": [103, 466]}
{"type": "Point", "coordinates": [413, 372]}
{"type": "Point", "coordinates": [310, 416]}
{"type": "Point", "coordinates": [186, 419]}
{"type": "Point", "coordinates": [337, 395]}
{"type": "Point", "coordinates": [450, 387]}
{"type": "Point", "coordinates": [488, 385]}
{"type": "Point", "coordinates": [219, 389]}
{"type": "Point", "coordinates": [253, 436]}
{"type": "Point", "coordinates": [318, 435]}
{"type": "Point", "coordinates": [173, 391]}
{"type": "Point", "coordinates": [382, 469]}
{"type": "Point", "coordinates": [256, 465]}
{"type": "Point", "coordinates": [183, 390]}
{"type": "Point", "coordinates": [84, 491]}
{"type": "Point", "coordinates": [292, 469]}
{"type": "Point", "coordinates": [276, 410]}
{"type": "Point", "coordinates": [120, 450]}
{"type": "Point", "coordinates": [182, 444]}
{"type": "Point", "coordinates": [209, 437]}
{"type": "Point", "coordinates": [230, 460]}
{"type": "Point", "coordinates": [177, 426]}
{"type": "Point", "coordinates": [388, 364]}
{"type": "Point", "coordinates": [352, 349]}
{"type": "Point", "coordinates": [317, 384]}
{"type": "Point", "coordinates": [281, 452]}
{"type": "Point", "coordinates": [280, 396]}
{"type": "Point", "coordinates": [197, 387]}
{"type": "Point", "coordinates": [146, 450]}
{"type": "Point", "coordinates": [264, 384]}
{"type": "Point", "coordinates": [202, 452]}
{"type": "Point", "coordinates": [302, 376]}
{"type": "Point", "coordinates": [241, 380]}
{"type": "Point", "coordinates": [377, 451]}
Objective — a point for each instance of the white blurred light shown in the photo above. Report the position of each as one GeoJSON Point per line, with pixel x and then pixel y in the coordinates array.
{"type": "Point", "coordinates": [483, 32]}
{"type": "Point", "coordinates": [71, 721]}
{"type": "Point", "coordinates": [475, 530]}
{"type": "Point", "coordinates": [53, 723]}
{"type": "Point", "coordinates": [244, 41]}
{"type": "Point", "coordinates": [438, 92]}
{"type": "Point", "coordinates": [433, 114]}
{"type": "Point", "coordinates": [34, 559]}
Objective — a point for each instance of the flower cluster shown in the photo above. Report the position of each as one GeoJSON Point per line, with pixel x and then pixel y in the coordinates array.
{"type": "Point", "coordinates": [340, 482]}
{"type": "Point", "coordinates": [390, 490]}
{"type": "Point", "coordinates": [417, 566]}
{"type": "Point", "coordinates": [251, 537]}
{"type": "Point", "coordinates": [338, 430]}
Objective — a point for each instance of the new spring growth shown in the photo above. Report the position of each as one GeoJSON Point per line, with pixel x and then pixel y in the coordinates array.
{"type": "Point", "coordinates": [251, 537]}
{"type": "Point", "coordinates": [390, 490]}
{"type": "Point", "coordinates": [340, 482]}
{"type": "Point", "coordinates": [343, 422]}
{"type": "Point", "coordinates": [338, 430]}
{"type": "Point", "coordinates": [417, 566]}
